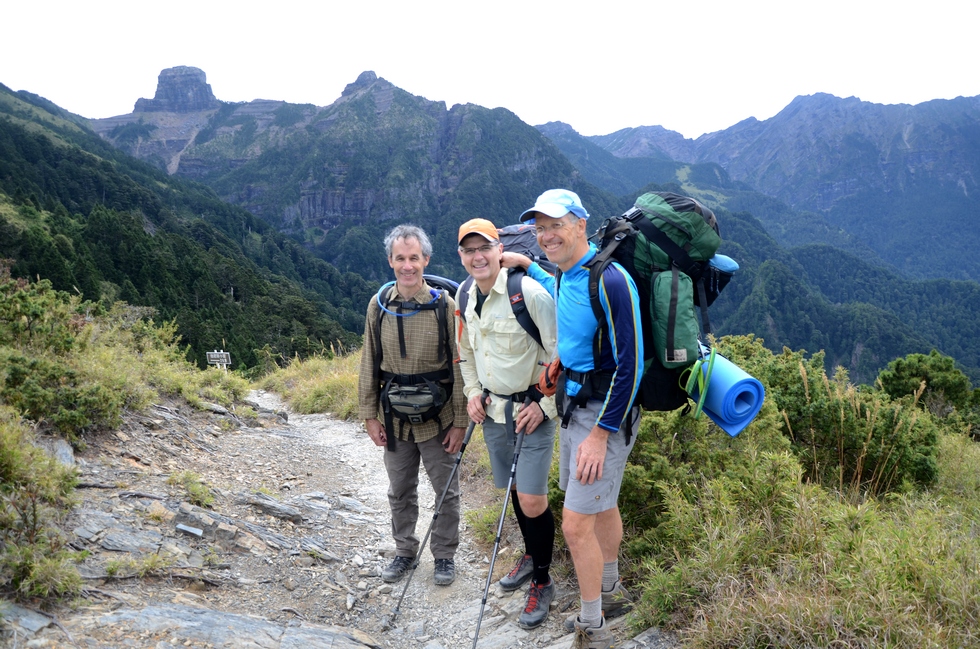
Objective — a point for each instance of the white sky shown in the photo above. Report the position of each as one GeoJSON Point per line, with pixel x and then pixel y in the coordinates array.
{"type": "Point", "coordinates": [691, 66]}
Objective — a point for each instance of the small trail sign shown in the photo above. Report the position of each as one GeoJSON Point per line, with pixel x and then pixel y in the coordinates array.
{"type": "Point", "coordinates": [222, 359]}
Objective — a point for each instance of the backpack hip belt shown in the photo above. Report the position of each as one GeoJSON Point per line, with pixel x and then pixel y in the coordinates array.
{"type": "Point", "coordinates": [594, 384]}
{"type": "Point", "coordinates": [422, 399]}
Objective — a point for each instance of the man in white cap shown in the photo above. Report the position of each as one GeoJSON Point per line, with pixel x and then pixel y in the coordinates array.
{"type": "Point", "coordinates": [499, 362]}
{"type": "Point", "coordinates": [603, 364]}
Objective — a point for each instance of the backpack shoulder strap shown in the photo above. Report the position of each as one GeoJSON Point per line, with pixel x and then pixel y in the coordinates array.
{"type": "Point", "coordinates": [464, 296]}
{"type": "Point", "coordinates": [517, 304]}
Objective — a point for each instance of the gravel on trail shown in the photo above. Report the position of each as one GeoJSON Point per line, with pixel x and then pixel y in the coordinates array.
{"type": "Point", "coordinates": [288, 554]}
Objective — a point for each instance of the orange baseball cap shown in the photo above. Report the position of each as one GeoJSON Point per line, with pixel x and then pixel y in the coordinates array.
{"type": "Point", "coordinates": [482, 227]}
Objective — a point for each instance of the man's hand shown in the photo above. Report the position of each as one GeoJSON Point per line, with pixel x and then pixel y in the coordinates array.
{"type": "Point", "coordinates": [529, 418]}
{"type": "Point", "coordinates": [591, 455]}
{"type": "Point", "coordinates": [454, 439]}
{"type": "Point", "coordinates": [515, 260]}
{"type": "Point", "coordinates": [475, 410]}
{"type": "Point", "coordinates": [376, 432]}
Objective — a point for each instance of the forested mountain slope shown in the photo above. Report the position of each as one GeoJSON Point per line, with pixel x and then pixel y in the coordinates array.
{"type": "Point", "coordinates": [79, 212]}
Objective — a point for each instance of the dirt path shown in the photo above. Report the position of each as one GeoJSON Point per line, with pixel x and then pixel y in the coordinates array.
{"type": "Point", "coordinates": [289, 554]}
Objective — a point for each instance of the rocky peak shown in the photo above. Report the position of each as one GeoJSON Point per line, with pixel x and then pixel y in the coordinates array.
{"type": "Point", "coordinates": [364, 80]}
{"type": "Point", "coordinates": [180, 90]}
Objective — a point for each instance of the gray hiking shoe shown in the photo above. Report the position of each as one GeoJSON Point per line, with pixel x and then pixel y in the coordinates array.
{"type": "Point", "coordinates": [592, 637]}
{"type": "Point", "coordinates": [396, 569]}
{"type": "Point", "coordinates": [615, 602]}
{"type": "Point", "coordinates": [445, 572]}
{"type": "Point", "coordinates": [536, 605]}
{"type": "Point", "coordinates": [518, 575]}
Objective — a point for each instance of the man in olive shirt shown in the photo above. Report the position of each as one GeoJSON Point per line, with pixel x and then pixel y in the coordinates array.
{"type": "Point", "coordinates": [409, 347]}
{"type": "Point", "coordinates": [499, 361]}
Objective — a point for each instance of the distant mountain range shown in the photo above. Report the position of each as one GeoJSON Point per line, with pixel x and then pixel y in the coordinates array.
{"type": "Point", "coordinates": [816, 203]}
{"type": "Point", "coordinates": [905, 180]}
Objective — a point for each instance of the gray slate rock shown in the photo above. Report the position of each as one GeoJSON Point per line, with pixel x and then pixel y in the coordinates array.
{"type": "Point", "coordinates": [233, 631]}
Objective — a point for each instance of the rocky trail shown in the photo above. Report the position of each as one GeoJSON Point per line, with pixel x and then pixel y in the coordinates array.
{"type": "Point", "coordinates": [288, 555]}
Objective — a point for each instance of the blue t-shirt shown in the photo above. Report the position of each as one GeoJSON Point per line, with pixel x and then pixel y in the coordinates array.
{"type": "Point", "coordinates": [621, 354]}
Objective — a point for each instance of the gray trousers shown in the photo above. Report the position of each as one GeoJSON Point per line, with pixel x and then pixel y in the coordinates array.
{"type": "Point", "coordinates": [402, 465]}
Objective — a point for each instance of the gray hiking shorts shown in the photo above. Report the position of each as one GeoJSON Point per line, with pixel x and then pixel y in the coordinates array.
{"type": "Point", "coordinates": [603, 494]}
{"type": "Point", "coordinates": [534, 462]}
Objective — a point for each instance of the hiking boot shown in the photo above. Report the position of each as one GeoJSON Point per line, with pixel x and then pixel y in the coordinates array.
{"type": "Point", "coordinates": [536, 605]}
{"type": "Point", "coordinates": [592, 637]}
{"type": "Point", "coordinates": [518, 575]}
{"type": "Point", "coordinates": [445, 572]}
{"type": "Point", "coordinates": [396, 569]}
{"type": "Point", "coordinates": [615, 602]}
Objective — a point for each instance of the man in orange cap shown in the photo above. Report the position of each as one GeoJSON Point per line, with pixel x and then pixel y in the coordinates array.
{"type": "Point", "coordinates": [499, 360]}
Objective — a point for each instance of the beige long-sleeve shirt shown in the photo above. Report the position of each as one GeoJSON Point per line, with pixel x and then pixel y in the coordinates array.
{"type": "Point", "coordinates": [422, 349]}
{"type": "Point", "coordinates": [494, 350]}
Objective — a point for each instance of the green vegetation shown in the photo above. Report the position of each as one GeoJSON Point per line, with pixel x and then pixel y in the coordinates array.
{"type": "Point", "coordinates": [198, 493]}
{"type": "Point", "coordinates": [320, 383]}
{"type": "Point", "coordinates": [71, 368]}
{"type": "Point", "coordinates": [145, 566]}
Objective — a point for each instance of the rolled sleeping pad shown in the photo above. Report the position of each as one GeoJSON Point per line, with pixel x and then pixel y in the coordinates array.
{"type": "Point", "coordinates": [733, 397]}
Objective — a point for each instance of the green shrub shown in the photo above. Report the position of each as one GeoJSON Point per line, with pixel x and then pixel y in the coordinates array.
{"type": "Point", "coordinates": [855, 440]}
{"type": "Point", "coordinates": [35, 491]}
{"type": "Point", "coordinates": [772, 561]}
{"type": "Point", "coordinates": [320, 383]}
{"type": "Point", "coordinates": [51, 390]}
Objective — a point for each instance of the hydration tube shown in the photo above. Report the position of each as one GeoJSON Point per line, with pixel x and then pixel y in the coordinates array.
{"type": "Point", "coordinates": [432, 292]}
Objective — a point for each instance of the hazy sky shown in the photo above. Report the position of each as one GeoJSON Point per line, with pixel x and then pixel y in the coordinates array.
{"type": "Point", "coordinates": [690, 66]}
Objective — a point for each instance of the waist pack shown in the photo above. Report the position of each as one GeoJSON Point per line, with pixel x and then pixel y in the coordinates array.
{"type": "Point", "coordinates": [415, 403]}
{"type": "Point", "coordinates": [668, 244]}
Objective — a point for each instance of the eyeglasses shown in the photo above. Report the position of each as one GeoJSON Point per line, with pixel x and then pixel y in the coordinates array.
{"type": "Point", "coordinates": [483, 250]}
{"type": "Point", "coordinates": [555, 227]}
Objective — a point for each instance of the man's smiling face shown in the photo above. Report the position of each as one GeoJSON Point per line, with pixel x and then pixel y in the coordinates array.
{"type": "Point", "coordinates": [480, 258]}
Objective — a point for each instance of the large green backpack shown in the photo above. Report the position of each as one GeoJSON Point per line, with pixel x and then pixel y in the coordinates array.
{"type": "Point", "coordinates": [665, 243]}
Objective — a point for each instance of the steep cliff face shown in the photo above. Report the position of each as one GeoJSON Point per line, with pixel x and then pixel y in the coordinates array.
{"type": "Point", "coordinates": [159, 130]}
{"type": "Point", "coordinates": [179, 90]}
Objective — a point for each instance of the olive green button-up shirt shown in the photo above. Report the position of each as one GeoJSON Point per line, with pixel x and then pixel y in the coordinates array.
{"type": "Point", "coordinates": [422, 355]}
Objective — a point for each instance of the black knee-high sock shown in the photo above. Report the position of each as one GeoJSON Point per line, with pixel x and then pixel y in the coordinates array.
{"type": "Point", "coordinates": [540, 541]}
{"type": "Point", "coordinates": [521, 518]}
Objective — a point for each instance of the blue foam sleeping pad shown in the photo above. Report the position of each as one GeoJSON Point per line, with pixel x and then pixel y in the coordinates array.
{"type": "Point", "coordinates": [734, 397]}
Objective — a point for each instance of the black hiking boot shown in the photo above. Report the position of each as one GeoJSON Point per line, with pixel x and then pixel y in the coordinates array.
{"type": "Point", "coordinates": [445, 572]}
{"type": "Point", "coordinates": [396, 569]}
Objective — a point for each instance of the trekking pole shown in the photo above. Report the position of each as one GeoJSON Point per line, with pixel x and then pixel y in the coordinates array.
{"type": "Point", "coordinates": [415, 562]}
{"type": "Point", "coordinates": [509, 423]}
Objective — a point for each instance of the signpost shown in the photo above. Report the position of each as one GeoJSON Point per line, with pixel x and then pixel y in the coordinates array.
{"type": "Point", "coordinates": [222, 359]}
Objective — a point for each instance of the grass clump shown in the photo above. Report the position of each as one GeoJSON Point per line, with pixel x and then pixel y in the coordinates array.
{"type": "Point", "coordinates": [198, 493]}
{"type": "Point", "coordinates": [146, 566]}
{"type": "Point", "coordinates": [320, 383]}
